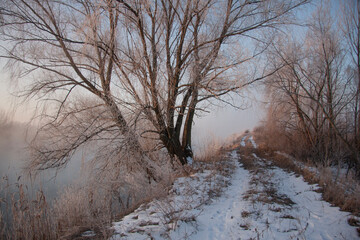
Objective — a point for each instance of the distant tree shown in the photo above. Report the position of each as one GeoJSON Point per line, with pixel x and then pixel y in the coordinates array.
{"type": "Point", "coordinates": [117, 71]}
{"type": "Point", "coordinates": [314, 86]}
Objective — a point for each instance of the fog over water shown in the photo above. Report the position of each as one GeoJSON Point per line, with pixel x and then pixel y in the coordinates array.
{"type": "Point", "coordinates": [13, 153]}
{"type": "Point", "coordinates": [13, 158]}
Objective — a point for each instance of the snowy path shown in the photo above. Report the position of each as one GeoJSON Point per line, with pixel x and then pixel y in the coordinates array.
{"type": "Point", "coordinates": [282, 205]}
{"type": "Point", "coordinates": [220, 219]}
{"type": "Point", "coordinates": [261, 202]}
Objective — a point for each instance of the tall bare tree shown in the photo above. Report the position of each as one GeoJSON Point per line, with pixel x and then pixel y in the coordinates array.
{"type": "Point", "coordinates": [351, 29]}
{"type": "Point", "coordinates": [182, 58]}
{"type": "Point", "coordinates": [104, 68]}
{"type": "Point", "coordinates": [313, 83]}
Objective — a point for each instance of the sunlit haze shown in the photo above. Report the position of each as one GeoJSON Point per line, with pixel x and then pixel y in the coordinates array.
{"type": "Point", "coordinates": [220, 123]}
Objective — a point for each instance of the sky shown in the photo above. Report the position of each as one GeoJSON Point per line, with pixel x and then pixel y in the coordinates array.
{"type": "Point", "coordinates": [219, 124]}
{"type": "Point", "coordinates": [225, 121]}
{"type": "Point", "coordinates": [9, 103]}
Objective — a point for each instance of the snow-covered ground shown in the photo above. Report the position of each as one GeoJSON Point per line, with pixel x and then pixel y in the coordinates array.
{"type": "Point", "coordinates": [261, 202]}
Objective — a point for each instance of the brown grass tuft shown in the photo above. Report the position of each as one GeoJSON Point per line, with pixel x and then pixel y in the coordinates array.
{"type": "Point", "coordinates": [25, 217]}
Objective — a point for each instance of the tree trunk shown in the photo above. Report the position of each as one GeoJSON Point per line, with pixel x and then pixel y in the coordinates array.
{"type": "Point", "coordinates": [132, 143]}
{"type": "Point", "coordinates": [186, 141]}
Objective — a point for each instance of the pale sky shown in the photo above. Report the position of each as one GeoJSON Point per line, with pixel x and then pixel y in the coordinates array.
{"type": "Point", "coordinates": [9, 104]}
{"type": "Point", "coordinates": [220, 123]}
{"type": "Point", "coordinates": [225, 121]}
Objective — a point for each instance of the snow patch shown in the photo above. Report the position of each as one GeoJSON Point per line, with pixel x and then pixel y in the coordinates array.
{"type": "Point", "coordinates": [190, 160]}
{"type": "Point", "coordinates": [242, 143]}
{"type": "Point", "coordinates": [219, 220]}
{"type": "Point", "coordinates": [88, 234]}
{"type": "Point", "coordinates": [176, 215]}
{"type": "Point", "coordinates": [251, 139]}
{"type": "Point", "coordinates": [248, 138]}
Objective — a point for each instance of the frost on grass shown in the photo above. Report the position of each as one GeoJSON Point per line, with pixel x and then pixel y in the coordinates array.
{"type": "Point", "coordinates": [175, 216]}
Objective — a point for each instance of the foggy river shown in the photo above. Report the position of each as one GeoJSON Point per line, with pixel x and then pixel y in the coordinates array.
{"type": "Point", "coordinates": [13, 157]}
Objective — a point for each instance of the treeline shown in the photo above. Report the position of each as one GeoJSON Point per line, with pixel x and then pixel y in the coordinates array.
{"type": "Point", "coordinates": [313, 107]}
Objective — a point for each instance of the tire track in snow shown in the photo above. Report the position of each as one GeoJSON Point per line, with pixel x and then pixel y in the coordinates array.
{"type": "Point", "coordinates": [261, 202]}
{"type": "Point", "coordinates": [283, 206]}
{"type": "Point", "coordinates": [220, 220]}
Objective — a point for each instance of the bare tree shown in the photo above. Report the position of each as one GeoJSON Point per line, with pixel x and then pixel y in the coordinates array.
{"type": "Point", "coordinates": [62, 49]}
{"type": "Point", "coordinates": [313, 83]}
{"type": "Point", "coordinates": [103, 68]}
{"type": "Point", "coordinates": [351, 29]}
{"type": "Point", "coordinates": [182, 58]}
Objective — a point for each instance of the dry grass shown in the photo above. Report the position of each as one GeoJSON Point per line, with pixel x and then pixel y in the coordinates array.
{"type": "Point", "coordinates": [339, 189]}
{"type": "Point", "coordinates": [210, 152]}
{"type": "Point", "coordinates": [25, 217]}
{"type": "Point", "coordinates": [214, 157]}
{"type": "Point", "coordinates": [342, 191]}
{"type": "Point", "coordinates": [76, 210]}
{"type": "Point", "coordinates": [217, 181]}
{"type": "Point", "coordinates": [245, 214]}
{"type": "Point", "coordinates": [91, 207]}
{"type": "Point", "coordinates": [171, 213]}
{"type": "Point", "coordinates": [82, 209]}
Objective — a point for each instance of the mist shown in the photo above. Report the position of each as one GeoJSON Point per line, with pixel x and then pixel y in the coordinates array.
{"type": "Point", "coordinates": [14, 157]}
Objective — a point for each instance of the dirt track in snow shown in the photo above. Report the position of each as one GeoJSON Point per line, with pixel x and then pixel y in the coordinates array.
{"type": "Point", "coordinates": [261, 201]}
